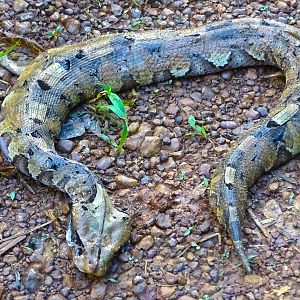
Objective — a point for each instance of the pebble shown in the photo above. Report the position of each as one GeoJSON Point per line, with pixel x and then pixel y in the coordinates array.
{"type": "Point", "coordinates": [251, 74]}
{"type": "Point", "coordinates": [73, 26]}
{"type": "Point", "coordinates": [252, 114]}
{"type": "Point", "coordinates": [146, 243]}
{"type": "Point", "coordinates": [157, 232]}
{"type": "Point", "coordinates": [56, 297]}
{"type": "Point", "coordinates": [22, 27]}
{"type": "Point", "coordinates": [125, 182]}
{"type": "Point", "coordinates": [227, 75]}
{"type": "Point", "coordinates": [273, 187]}
{"type": "Point", "coordinates": [175, 144]}
{"type": "Point", "coordinates": [98, 290]}
{"type": "Point", "coordinates": [65, 146]}
{"type": "Point", "coordinates": [262, 111]}
{"type": "Point", "coordinates": [167, 291]}
{"type": "Point", "coordinates": [253, 279]}
{"type": "Point", "coordinates": [228, 124]}
{"type": "Point", "coordinates": [205, 170]}
{"type": "Point", "coordinates": [150, 146]}
{"type": "Point", "coordinates": [19, 5]}
{"type": "Point", "coordinates": [116, 9]}
{"type": "Point", "coordinates": [104, 162]}
{"type": "Point", "coordinates": [163, 221]}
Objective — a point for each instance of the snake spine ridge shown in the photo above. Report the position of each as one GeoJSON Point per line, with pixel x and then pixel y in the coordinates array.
{"type": "Point", "coordinates": [59, 79]}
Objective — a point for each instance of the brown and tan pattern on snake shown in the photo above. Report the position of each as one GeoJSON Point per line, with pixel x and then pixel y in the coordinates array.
{"type": "Point", "coordinates": [59, 79]}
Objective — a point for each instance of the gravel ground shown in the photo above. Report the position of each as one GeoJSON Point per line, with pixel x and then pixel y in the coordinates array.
{"type": "Point", "coordinates": [177, 250]}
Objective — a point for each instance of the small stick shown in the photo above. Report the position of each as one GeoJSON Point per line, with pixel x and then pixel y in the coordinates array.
{"type": "Point", "coordinates": [25, 232]}
{"type": "Point", "coordinates": [9, 244]}
{"type": "Point", "coordinates": [265, 232]}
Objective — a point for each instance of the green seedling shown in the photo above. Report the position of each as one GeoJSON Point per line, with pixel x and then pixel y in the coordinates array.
{"type": "Point", "coordinates": [264, 8]}
{"type": "Point", "coordinates": [197, 129]}
{"type": "Point", "coordinates": [133, 259]}
{"type": "Point", "coordinates": [188, 231]}
{"type": "Point", "coordinates": [12, 195]}
{"type": "Point", "coordinates": [250, 258]}
{"type": "Point", "coordinates": [181, 176]}
{"type": "Point", "coordinates": [118, 108]}
{"type": "Point", "coordinates": [195, 245]}
{"type": "Point", "coordinates": [113, 280]}
{"type": "Point", "coordinates": [53, 35]}
{"type": "Point", "coordinates": [205, 182]}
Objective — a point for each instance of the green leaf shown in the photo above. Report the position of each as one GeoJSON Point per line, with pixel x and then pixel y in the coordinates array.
{"type": "Point", "coordinates": [124, 135]}
{"type": "Point", "coordinates": [205, 182]}
{"type": "Point", "coordinates": [192, 121]}
{"type": "Point", "coordinates": [12, 195]}
{"type": "Point", "coordinates": [10, 49]}
{"type": "Point", "coordinates": [188, 231]}
{"type": "Point", "coordinates": [118, 107]}
{"type": "Point", "coordinates": [113, 280]}
{"type": "Point", "coordinates": [102, 107]}
{"type": "Point", "coordinates": [200, 130]}
{"type": "Point", "coordinates": [251, 257]}
{"type": "Point", "coordinates": [107, 88]}
{"type": "Point", "coordinates": [104, 137]}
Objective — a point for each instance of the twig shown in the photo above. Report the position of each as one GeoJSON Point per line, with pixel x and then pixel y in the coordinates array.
{"type": "Point", "coordinates": [27, 186]}
{"type": "Point", "coordinates": [9, 244]}
{"type": "Point", "coordinates": [25, 232]}
{"type": "Point", "coordinates": [265, 232]}
{"type": "Point", "coordinates": [204, 239]}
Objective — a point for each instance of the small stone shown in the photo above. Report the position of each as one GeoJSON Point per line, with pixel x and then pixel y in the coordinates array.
{"type": "Point", "coordinates": [116, 9]}
{"type": "Point", "coordinates": [167, 12]}
{"type": "Point", "coordinates": [172, 242]}
{"type": "Point", "coordinates": [150, 146]}
{"type": "Point", "coordinates": [104, 162]}
{"type": "Point", "coordinates": [187, 102]}
{"type": "Point", "coordinates": [272, 210]}
{"type": "Point", "coordinates": [19, 5]}
{"type": "Point", "coordinates": [273, 187]}
{"type": "Point", "coordinates": [98, 290]}
{"type": "Point", "coordinates": [251, 74]}
{"type": "Point", "coordinates": [32, 280]}
{"type": "Point", "coordinates": [196, 96]}
{"type": "Point", "coordinates": [22, 27]}
{"type": "Point", "coordinates": [163, 221]}
{"type": "Point", "coordinates": [172, 109]}
{"type": "Point", "coordinates": [167, 291]}
{"type": "Point", "coordinates": [146, 243]}
{"type": "Point", "coordinates": [227, 75]}
{"type": "Point", "coordinates": [65, 146]}
{"type": "Point", "coordinates": [56, 297]}
{"type": "Point", "coordinates": [73, 26]}
{"type": "Point", "coordinates": [136, 13]}
{"type": "Point", "coordinates": [262, 111]}
{"type": "Point", "coordinates": [228, 125]}
{"type": "Point", "coordinates": [186, 297]}
{"type": "Point", "coordinates": [252, 114]}
{"type": "Point", "coordinates": [175, 144]}
{"type": "Point", "coordinates": [282, 6]}
{"type": "Point", "coordinates": [253, 279]}
{"type": "Point", "coordinates": [157, 232]}
{"type": "Point", "coordinates": [205, 169]}
{"type": "Point", "coordinates": [170, 278]}
{"type": "Point", "coordinates": [125, 182]}
{"type": "Point", "coordinates": [28, 16]}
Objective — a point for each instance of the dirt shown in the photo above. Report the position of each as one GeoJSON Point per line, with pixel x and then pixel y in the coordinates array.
{"type": "Point", "coordinates": [177, 249]}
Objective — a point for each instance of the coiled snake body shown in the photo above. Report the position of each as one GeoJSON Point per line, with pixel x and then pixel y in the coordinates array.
{"type": "Point", "coordinates": [59, 79]}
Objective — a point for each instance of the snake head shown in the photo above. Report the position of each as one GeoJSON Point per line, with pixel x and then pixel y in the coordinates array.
{"type": "Point", "coordinates": [96, 232]}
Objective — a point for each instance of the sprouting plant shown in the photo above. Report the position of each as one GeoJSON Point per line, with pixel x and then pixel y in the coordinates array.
{"type": "Point", "coordinates": [10, 49]}
{"type": "Point", "coordinates": [197, 129]}
{"type": "Point", "coordinates": [118, 108]}
{"type": "Point", "coordinates": [188, 231]}
{"type": "Point", "coordinates": [250, 258]}
{"type": "Point", "coordinates": [136, 23]}
{"type": "Point", "coordinates": [225, 255]}
{"type": "Point", "coordinates": [133, 260]}
{"type": "Point", "coordinates": [181, 176]}
{"type": "Point", "coordinates": [263, 8]}
{"type": "Point", "coordinates": [113, 280]}
{"type": "Point", "coordinates": [205, 297]}
{"type": "Point", "coordinates": [12, 195]}
{"type": "Point", "coordinates": [53, 35]}
{"type": "Point", "coordinates": [195, 245]}
{"type": "Point", "coordinates": [205, 182]}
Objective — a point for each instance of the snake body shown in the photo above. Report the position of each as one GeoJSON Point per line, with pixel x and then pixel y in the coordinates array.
{"type": "Point", "coordinates": [59, 79]}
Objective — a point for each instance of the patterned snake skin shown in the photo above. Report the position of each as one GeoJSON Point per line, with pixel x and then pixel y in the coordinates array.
{"type": "Point", "coordinates": [59, 79]}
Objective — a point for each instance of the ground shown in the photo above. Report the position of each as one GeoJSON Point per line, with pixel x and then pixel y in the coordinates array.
{"type": "Point", "coordinates": [177, 249]}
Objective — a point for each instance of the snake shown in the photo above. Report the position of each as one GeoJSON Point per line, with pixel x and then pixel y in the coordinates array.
{"type": "Point", "coordinates": [59, 79]}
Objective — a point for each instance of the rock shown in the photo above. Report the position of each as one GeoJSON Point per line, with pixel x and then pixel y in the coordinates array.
{"type": "Point", "coordinates": [205, 169]}
{"type": "Point", "coordinates": [134, 142]}
{"type": "Point", "coordinates": [146, 243]}
{"type": "Point", "coordinates": [273, 187]}
{"type": "Point", "coordinates": [272, 209]}
{"type": "Point", "coordinates": [156, 232]}
{"type": "Point", "coordinates": [187, 102]}
{"type": "Point", "coordinates": [19, 5]}
{"type": "Point", "coordinates": [104, 162]}
{"type": "Point", "coordinates": [175, 144]}
{"type": "Point", "coordinates": [73, 26]}
{"type": "Point", "coordinates": [150, 146]}
{"type": "Point", "coordinates": [125, 182]}
{"type": "Point", "coordinates": [161, 131]}
{"type": "Point", "coordinates": [167, 12]}
{"type": "Point", "coordinates": [65, 146]}
{"type": "Point", "coordinates": [251, 74]}
{"type": "Point", "coordinates": [263, 111]}
{"type": "Point", "coordinates": [205, 226]}
{"type": "Point", "coordinates": [56, 297]}
{"type": "Point", "coordinates": [22, 27]}
{"type": "Point", "coordinates": [196, 96]}
{"type": "Point", "coordinates": [32, 280]}
{"type": "Point", "coordinates": [252, 114]}
{"type": "Point", "coordinates": [116, 9]}
{"type": "Point", "coordinates": [98, 290]}
{"type": "Point", "coordinates": [172, 109]}
{"type": "Point", "coordinates": [167, 291]}
{"type": "Point", "coordinates": [253, 279]}
{"type": "Point", "coordinates": [186, 297]}
{"type": "Point", "coordinates": [229, 125]}
{"type": "Point", "coordinates": [133, 127]}
{"type": "Point", "coordinates": [282, 6]}
{"type": "Point", "coordinates": [170, 278]}
{"type": "Point", "coordinates": [227, 75]}
{"type": "Point", "coordinates": [163, 221]}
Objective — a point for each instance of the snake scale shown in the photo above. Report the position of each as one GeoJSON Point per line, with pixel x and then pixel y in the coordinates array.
{"type": "Point", "coordinates": [59, 79]}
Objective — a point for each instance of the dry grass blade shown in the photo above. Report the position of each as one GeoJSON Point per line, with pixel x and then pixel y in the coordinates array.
{"type": "Point", "coordinates": [265, 231]}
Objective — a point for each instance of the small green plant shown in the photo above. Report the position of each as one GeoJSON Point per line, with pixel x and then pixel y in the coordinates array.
{"type": "Point", "coordinates": [113, 280]}
{"type": "Point", "coordinates": [205, 182]}
{"type": "Point", "coordinates": [10, 49]}
{"type": "Point", "coordinates": [27, 250]}
{"type": "Point", "coordinates": [195, 245]}
{"type": "Point", "coordinates": [264, 8]}
{"type": "Point", "coordinates": [225, 255]}
{"type": "Point", "coordinates": [118, 108]}
{"type": "Point", "coordinates": [12, 195]}
{"type": "Point", "coordinates": [197, 129]}
{"type": "Point", "coordinates": [133, 260]}
{"type": "Point", "coordinates": [181, 176]}
{"type": "Point", "coordinates": [188, 231]}
{"type": "Point", "coordinates": [54, 34]}
{"type": "Point", "coordinates": [205, 297]}
{"type": "Point", "coordinates": [250, 258]}
{"type": "Point", "coordinates": [136, 23]}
